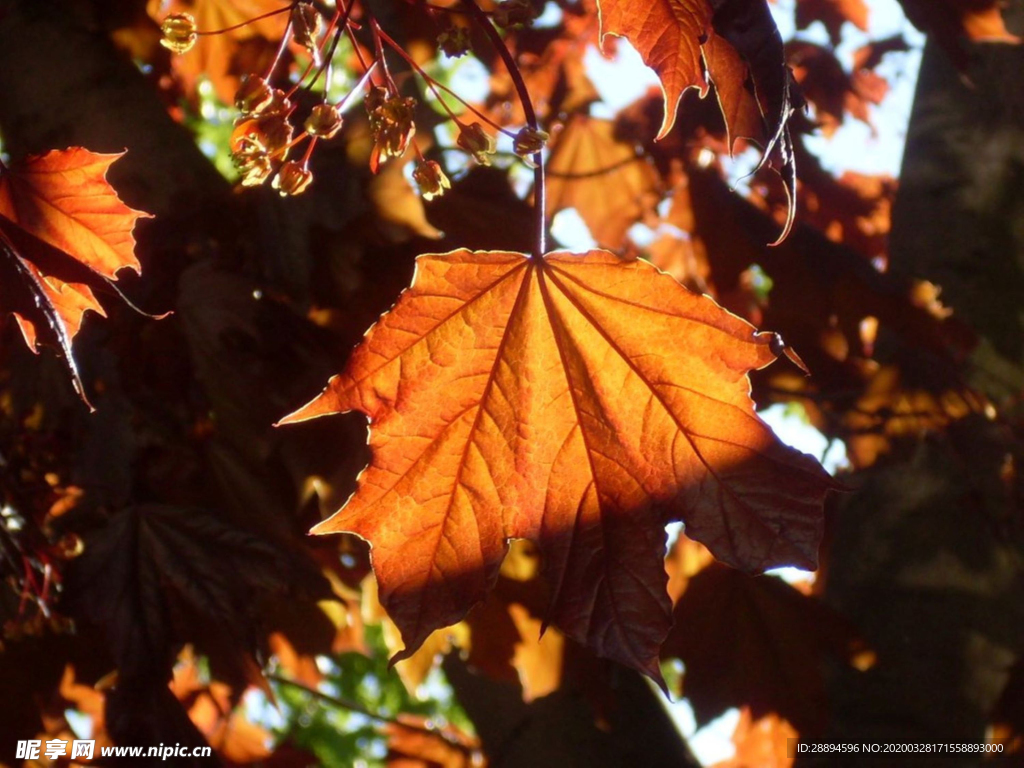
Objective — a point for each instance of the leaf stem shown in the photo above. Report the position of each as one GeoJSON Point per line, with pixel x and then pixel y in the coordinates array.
{"type": "Point", "coordinates": [280, 51]}
{"type": "Point", "coordinates": [539, 193]}
{"type": "Point", "coordinates": [309, 152]}
{"type": "Point", "coordinates": [379, 46]}
{"type": "Point", "coordinates": [352, 39]}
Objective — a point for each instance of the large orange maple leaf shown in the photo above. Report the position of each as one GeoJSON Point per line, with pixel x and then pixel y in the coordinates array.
{"type": "Point", "coordinates": [64, 232]}
{"type": "Point", "coordinates": [581, 402]}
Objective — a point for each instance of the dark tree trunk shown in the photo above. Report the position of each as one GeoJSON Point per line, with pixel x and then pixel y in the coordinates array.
{"type": "Point", "coordinates": [927, 555]}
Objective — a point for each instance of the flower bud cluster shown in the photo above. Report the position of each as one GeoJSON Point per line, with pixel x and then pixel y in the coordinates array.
{"type": "Point", "coordinates": [264, 131]}
{"type": "Point", "coordinates": [454, 41]}
{"type": "Point", "coordinates": [307, 26]}
{"type": "Point", "coordinates": [514, 13]}
{"type": "Point", "coordinates": [528, 142]}
{"type": "Point", "coordinates": [179, 32]}
{"type": "Point", "coordinates": [391, 121]}
{"type": "Point", "coordinates": [431, 179]}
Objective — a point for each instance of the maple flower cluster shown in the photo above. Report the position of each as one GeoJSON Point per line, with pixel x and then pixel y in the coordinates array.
{"type": "Point", "coordinates": [179, 32]}
{"type": "Point", "coordinates": [391, 123]}
{"type": "Point", "coordinates": [265, 131]}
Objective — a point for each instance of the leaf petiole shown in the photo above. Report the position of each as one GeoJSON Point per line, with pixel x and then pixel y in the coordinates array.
{"type": "Point", "coordinates": [539, 195]}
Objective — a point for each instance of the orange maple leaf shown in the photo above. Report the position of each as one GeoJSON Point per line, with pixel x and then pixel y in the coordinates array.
{"type": "Point", "coordinates": [736, 47]}
{"type": "Point", "coordinates": [987, 25]}
{"type": "Point", "coordinates": [609, 183]}
{"type": "Point", "coordinates": [213, 709]}
{"type": "Point", "coordinates": [676, 39]}
{"type": "Point", "coordinates": [760, 743]}
{"type": "Point", "coordinates": [578, 401]}
{"type": "Point", "coordinates": [949, 21]}
{"type": "Point", "coordinates": [64, 232]}
{"type": "Point", "coordinates": [668, 34]}
{"type": "Point", "coordinates": [833, 14]}
{"type": "Point", "coordinates": [729, 72]}
{"type": "Point", "coordinates": [413, 742]}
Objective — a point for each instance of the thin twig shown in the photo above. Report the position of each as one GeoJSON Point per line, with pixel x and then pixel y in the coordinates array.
{"type": "Point", "coordinates": [539, 195]}
{"type": "Point", "coordinates": [379, 46]}
{"type": "Point", "coordinates": [342, 19]}
{"type": "Point", "coordinates": [247, 22]}
{"type": "Point", "coordinates": [578, 175]}
{"type": "Point", "coordinates": [315, 61]}
{"type": "Point", "coordinates": [280, 51]}
{"type": "Point", "coordinates": [355, 706]}
{"type": "Point", "coordinates": [327, 58]}
{"type": "Point", "coordinates": [8, 540]}
{"type": "Point", "coordinates": [352, 39]}
{"type": "Point", "coordinates": [433, 85]}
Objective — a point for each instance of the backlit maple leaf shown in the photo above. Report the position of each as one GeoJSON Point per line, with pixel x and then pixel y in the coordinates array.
{"type": "Point", "coordinates": [739, 106]}
{"type": "Point", "coordinates": [212, 708]}
{"type": "Point", "coordinates": [760, 743]}
{"type": "Point", "coordinates": [581, 402]}
{"type": "Point", "coordinates": [668, 34]}
{"type": "Point", "coordinates": [833, 14]}
{"type": "Point", "coordinates": [732, 44]}
{"type": "Point", "coordinates": [63, 233]}
{"type": "Point", "coordinates": [605, 179]}
{"type": "Point", "coordinates": [677, 39]}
